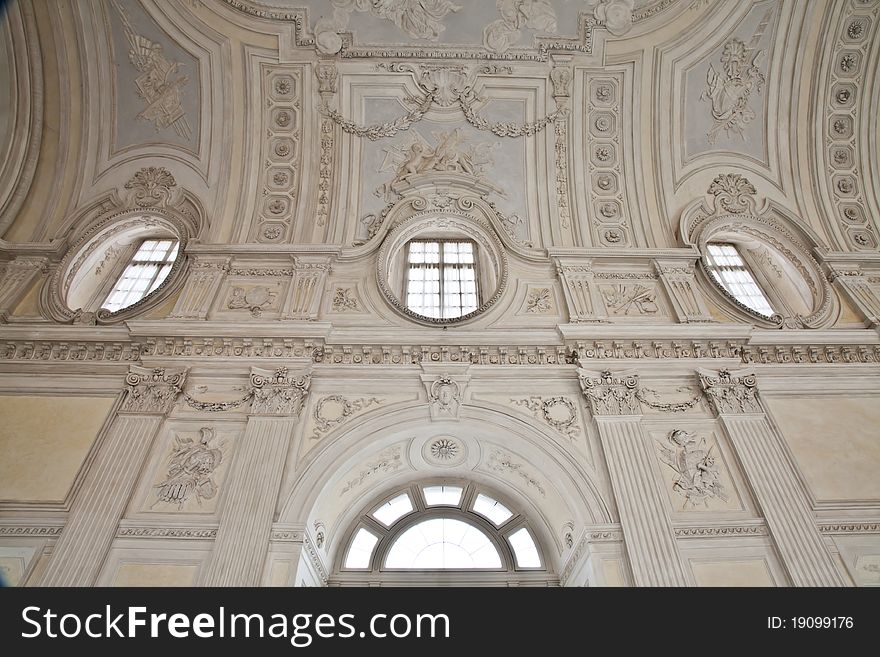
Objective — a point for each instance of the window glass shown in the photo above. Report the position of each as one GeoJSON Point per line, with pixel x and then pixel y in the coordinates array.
{"type": "Point", "coordinates": [393, 509]}
{"type": "Point", "coordinates": [442, 495]}
{"type": "Point", "coordinates": [494, 510]}
{"type": "Point", "coordinates": [147, 270]}
{"type": "Point", "coordinates": [443, 543]}
{"type": "Point", "coordinates": [730, 271]}
{"type": "Point", "coordinates": [441, 278]}
{"type": "Point", "coordinates": [524, 550]}
{"type": "Point", "coordinates": [361, 550]}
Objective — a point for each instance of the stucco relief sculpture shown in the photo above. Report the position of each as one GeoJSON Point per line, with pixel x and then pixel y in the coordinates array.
{"type": "Point", "coordinates": [539, 301]}
{"type": "Point", "coordinates": [151, 187]}
{"type": "Point", "coordinates": [279, 392]}
{"type": "Point", "coordinates": [160, 82]}
{"type": "Point", "coordinates": [189, 470]}
{"type": "Point", "coordinates": [421, 19]}
{"type": "Point", "coordinates": [697, 478]}
{"type": "Point", "coordinates": [386, 462]}
{"type": "Point", "coordinates": [501, 461]}
{"type": "Point", "coordinates": [333, 410]}
{"type": "Point", "coordinates": [152, 391]}
{"type": "Point", "coordinates": [445, 395]}
{"type": "Point", "coordinates": [615, 15]}
{"type": "Point", "coordinates": [344, 300]}
{"type": "Point", "coordinates": [730, 89]}
{"type": "Point", "coordinates": [443, 86]}
{"type": "Point", "coordinates": [611, 394]}
{"type": "Point", "coordinates": [731, 392]}
{"type": "Point", "coordinates": [630, 299]}
{"type": "Point", "coordinates": [254, 299]}
{"type": "Point", "coordinates": [452, 154]}
{"type": "Point", "coordinates": [559, 412]}
{"type": "Point", "coordinates": [516, 15]}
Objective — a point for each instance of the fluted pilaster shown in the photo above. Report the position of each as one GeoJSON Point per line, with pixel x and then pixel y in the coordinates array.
{"type": "Point", "coordinates": [647, 529]}
{"type": "Point", "coordinates": [104, 494]}
{"type": "Point", "coordinates": [734, 395]}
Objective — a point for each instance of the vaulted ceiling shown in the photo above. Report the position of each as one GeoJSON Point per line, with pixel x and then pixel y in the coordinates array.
{"type": "Point", "coordinates": [587, 123]}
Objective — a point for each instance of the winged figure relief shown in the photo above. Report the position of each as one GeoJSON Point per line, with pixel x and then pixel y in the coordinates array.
{"type": "Point", "coordinates": [416, 155]}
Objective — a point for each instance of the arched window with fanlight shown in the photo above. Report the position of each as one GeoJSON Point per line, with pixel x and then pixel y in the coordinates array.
{"type": "Point", "coordinates": [449, 532]}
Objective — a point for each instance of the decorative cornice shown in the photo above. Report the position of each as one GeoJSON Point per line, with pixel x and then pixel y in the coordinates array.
{"type": "Point", "coordinates": [594, 534]}
{"type": "Point", "coordinates": [31, 530]}
{"type": "Point", "coordinates": [89, 349]}
{"type": "Point", "coordinates": [287, 535]}
{"type": "Point", "coordinates": [198, 533]}
{"type": "Point", "coordinates": [702, 531]}
{"type": "Point", "coordinates": [856, 527]}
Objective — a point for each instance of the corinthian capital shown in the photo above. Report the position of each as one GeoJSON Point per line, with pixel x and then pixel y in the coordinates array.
{"type": "Point", "coordinates": [152, 391]}
{"type": "Point", "coordinates": [611, 393]}
{"type": "Point", "coordinates": [731, 392]}
{"type": "Point", "coordinates": [279, 392]}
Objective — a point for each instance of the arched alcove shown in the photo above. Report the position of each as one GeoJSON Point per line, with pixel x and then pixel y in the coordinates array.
{"type": "Point", "coordinates": [394, 447]}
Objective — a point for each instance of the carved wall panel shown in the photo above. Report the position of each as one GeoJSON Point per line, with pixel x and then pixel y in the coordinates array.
{"type": "Point", "coordinates": [281, 156]}
{"type": "Point", "coordinates": [606, 216]}
{"type": "Point", "coordinates": [727, 94]}
{"type": "Point", "coordinates": [157, 87]}
{"type": "Point", "coordinates": [695, 472]}
{"type": "Point", "coordinates": [841, 143]}
{"type": "Point", "coordinates": [187, 473]}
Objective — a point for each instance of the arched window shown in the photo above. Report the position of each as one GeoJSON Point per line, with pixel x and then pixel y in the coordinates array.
{"type": "Point", "coordinates": [119, 267]}
{"type": "Point", "coordinates": [420, 532]}
{"type": "Point", "coordinates": [758, 262]}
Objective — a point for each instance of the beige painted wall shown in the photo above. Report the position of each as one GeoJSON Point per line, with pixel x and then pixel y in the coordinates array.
{"type": "Point", "coordinates": [753, 572]}
{"type": "Point", "coordinates": [155, 574]}
{"type": "Point", "coordinates": [43, 442]}
{"type": "Point", "coordinates": [835, 442]}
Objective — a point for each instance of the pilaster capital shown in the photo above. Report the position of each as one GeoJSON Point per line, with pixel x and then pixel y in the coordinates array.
{"type": "Point", "coordinates": [610, 393]}
{"type": "Point", "coordinates": [279, 392]}
{"type": "Point", "coordinates": [731, 392]}
{"type": "Point", "coordinates": [152, 391]}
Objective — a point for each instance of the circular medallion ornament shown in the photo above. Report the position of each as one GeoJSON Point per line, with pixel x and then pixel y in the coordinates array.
{"type": "Point", "coordinates": [444, 451]}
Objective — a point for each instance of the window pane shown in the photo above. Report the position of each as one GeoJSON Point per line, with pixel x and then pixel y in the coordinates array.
{"type": "Point", "coordinates": [147, 270]}
{"type": "Point", "coordinates": [442, 495]}
{"type": "Point", "coordinates": [729, 270]}
{"type": "Point", "coordinates": [443, 543]}
{"type": "Point", "coordinates": [393, 509]}
{"type": "Point", "coordinates": [494, 510]}
{"type": "Point", "coordinates": [441, 279]}
{"type": "Point", "coordinates": [524, 549]}
{"type": "Point", "coordinates": [361, 549]}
